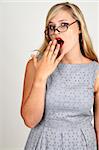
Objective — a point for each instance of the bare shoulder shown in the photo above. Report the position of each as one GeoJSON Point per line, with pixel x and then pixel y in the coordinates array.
{"type": "Point", "coordinates": [28, 79]}
{"type": "Point", "coordinates": [29, 73]}
{"type": "Point", "coordinates": [30, 65]}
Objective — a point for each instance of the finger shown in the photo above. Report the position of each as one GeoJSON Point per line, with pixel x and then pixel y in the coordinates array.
{"type": "Point", "coordinates": [47, 49]}
{"type": "Point", "coordinates": [55, 52]}
{"type": "Point", "coordinates": [52, 48]}
{"type": "Point", "coordinates": [59, 59]}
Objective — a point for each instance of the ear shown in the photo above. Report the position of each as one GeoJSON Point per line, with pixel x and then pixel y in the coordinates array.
{"type": "Point", "coordinates": [79, 26]}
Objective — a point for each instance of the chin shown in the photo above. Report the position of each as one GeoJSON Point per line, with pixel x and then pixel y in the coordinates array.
{"type": "Point", "coordinates": [64, 51]}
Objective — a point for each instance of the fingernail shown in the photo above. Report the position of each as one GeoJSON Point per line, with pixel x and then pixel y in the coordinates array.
{"type": "Point", "coordinates": [50, 42]}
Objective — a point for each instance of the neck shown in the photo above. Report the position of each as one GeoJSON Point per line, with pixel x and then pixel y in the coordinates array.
{"type": "Point", "coordinates": [73, 56]}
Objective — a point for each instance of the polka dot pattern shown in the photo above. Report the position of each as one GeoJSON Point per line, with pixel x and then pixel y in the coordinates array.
{"type": "Point", "coordinates": [69, 98]}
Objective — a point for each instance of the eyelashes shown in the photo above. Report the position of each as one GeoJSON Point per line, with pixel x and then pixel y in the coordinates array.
{"type": "Point", "coordinates": [51, 26]}
{"type": "Point", "coordinates": [64, 23]}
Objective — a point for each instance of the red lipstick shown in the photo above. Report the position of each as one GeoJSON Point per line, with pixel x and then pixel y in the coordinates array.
{"type": "Point", "coordinates": [60, 41]}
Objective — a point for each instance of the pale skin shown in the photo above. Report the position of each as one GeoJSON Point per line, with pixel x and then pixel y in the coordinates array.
{"type": "Point", "coordinates": [36, 75]}
{"type": "Point", "coordinates": [37, 72]}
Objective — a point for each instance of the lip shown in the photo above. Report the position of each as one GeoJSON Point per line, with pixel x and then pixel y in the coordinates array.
{"type": "Point", "coordinates": [60, 41]}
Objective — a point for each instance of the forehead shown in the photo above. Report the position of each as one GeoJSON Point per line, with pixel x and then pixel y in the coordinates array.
{"type": "Point", "coordinates": [62, 15]}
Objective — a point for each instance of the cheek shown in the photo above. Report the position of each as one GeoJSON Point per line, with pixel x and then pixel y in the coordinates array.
{"type": "Point", "coordinates": [71, 38]}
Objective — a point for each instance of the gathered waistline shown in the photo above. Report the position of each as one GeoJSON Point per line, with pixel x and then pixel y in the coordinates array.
{"type": "Point", "coordinates": [53, 123]}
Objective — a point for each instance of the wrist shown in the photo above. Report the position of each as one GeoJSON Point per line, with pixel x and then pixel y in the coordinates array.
{"type": "Point", "coordinates": [39, 80]}
{"type": "Point", "coordinates": [40, 77]}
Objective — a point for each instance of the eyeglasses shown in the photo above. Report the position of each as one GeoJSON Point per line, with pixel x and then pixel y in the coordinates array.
{"type": "Point", "coordinates": [62, 28]}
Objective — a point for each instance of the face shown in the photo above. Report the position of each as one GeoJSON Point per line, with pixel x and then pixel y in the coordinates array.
{"type": "Point", "coordinates": [70, 36]}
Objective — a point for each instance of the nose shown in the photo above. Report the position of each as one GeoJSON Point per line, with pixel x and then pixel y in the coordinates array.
{"type": "Point", "coordinates": [56, 31]}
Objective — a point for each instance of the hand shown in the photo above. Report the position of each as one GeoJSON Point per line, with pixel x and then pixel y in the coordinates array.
{"type": "Point", "coordinates": [49, 61]}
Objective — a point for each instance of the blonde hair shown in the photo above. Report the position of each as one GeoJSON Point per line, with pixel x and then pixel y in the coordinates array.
{"type": "Point", "coordinates": [84, 38]}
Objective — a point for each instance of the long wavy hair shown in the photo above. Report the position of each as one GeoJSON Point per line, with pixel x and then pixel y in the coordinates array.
{"type": "Point", "coordinates": [86, 46]}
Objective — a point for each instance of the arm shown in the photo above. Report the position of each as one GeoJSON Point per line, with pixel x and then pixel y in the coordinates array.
{"type": "Point", "coordinates": [34, 88]}
{"type": "Point", "coordinates": [96, 109]}
{"type": "Point", "coordinates": [32, 106]}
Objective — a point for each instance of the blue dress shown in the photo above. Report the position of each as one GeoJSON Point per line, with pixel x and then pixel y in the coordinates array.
{"type": "Point", "coordinates": [67, 120]}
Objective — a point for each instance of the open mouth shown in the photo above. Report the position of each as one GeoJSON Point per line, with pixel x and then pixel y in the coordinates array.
{"type": "Point", "coordinates": [60, 41]}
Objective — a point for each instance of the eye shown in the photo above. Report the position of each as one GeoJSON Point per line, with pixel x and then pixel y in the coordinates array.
{"type": "Point", "coordinates": [64, 24]}
{"type": "Point", "coordinates": [51, 27]}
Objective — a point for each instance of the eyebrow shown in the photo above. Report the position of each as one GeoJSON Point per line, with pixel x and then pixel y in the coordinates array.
{"type": "Point", "coordinates": [58, 21]}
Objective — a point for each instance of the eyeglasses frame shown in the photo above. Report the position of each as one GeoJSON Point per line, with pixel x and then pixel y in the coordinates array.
{"type": "Point", "coordinates": [68, 25]}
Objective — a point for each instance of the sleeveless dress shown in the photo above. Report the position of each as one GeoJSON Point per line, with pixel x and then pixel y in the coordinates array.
{"type": "Point", "coordinates": [67, 120]}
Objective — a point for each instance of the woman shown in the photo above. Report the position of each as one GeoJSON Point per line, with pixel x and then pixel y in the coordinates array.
{"type": "Point", "coordinates": [61, 88]}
